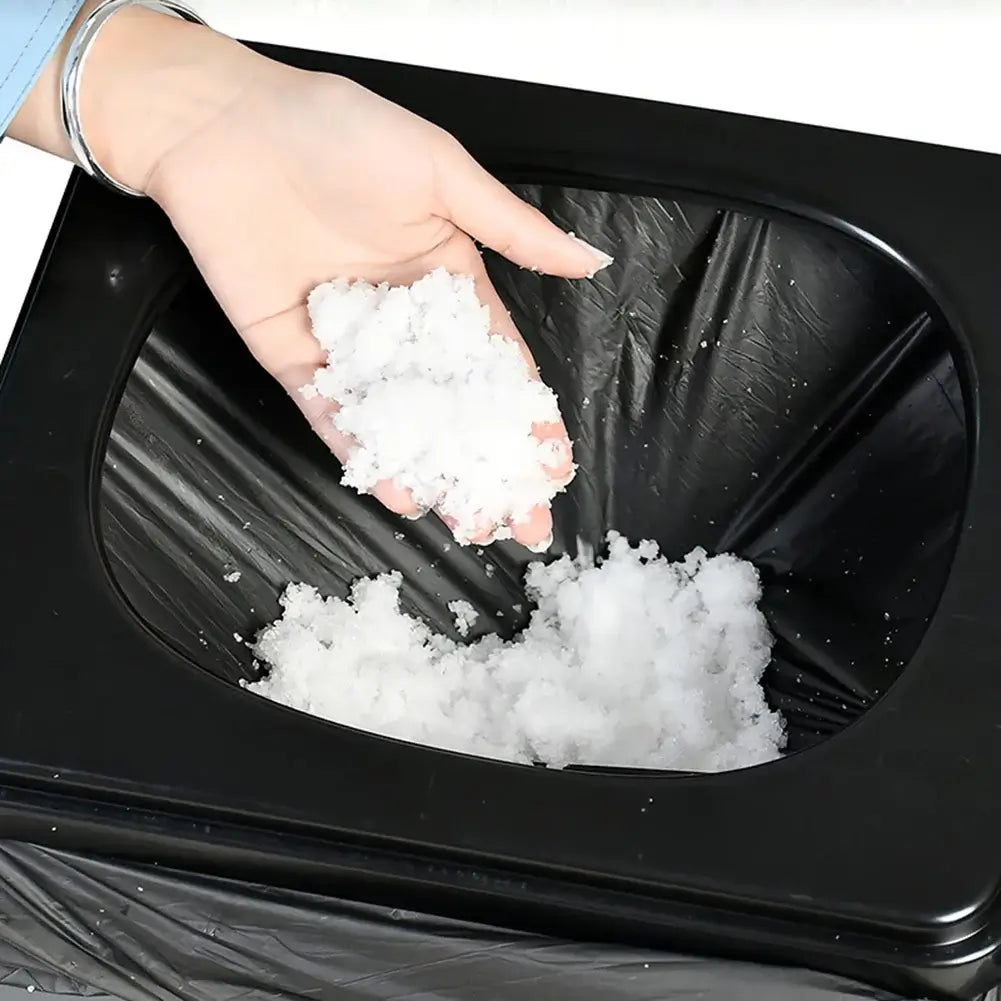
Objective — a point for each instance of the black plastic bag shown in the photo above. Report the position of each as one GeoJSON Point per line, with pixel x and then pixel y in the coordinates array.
{"type": "Point", "coordinates": [81, 925]}
{"type": "Point", "coordinates": [762, 386]}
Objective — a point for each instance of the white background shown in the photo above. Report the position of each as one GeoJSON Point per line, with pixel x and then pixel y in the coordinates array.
{"type": "Point", "coordinates": [915, 70]}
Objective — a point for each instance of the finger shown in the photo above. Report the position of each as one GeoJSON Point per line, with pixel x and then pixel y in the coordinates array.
{"type": "Point", "coordinates": [461, 256]}
{"type": "Point", "coordinates": [558, 456]}
{"type": "Point", "coordinates": [536, 531]}
{"type": "Point", "coordinates": [285, 346]}
{"type": "Point", "coordinates": [320, 413]}
{"type": "Point", "coordinates": [500, 319]}
{"type": "Point", "coordinates": [557, 453]}
{"type": "Point", "coordinates": [489, 212]}
{"type": "Point", "coordinates": [554, 432]}
{"type": "Point", "coordinates": [482, 532]}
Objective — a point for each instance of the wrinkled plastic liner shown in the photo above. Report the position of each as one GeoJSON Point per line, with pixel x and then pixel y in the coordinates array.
{"type": "Point", "coordinates": [758, 385]}
{"type": "Point", "coordinates": [137, 933]}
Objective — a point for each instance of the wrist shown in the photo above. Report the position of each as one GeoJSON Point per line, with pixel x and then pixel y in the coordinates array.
{"type": "Point", "coordinates": [149, 82]}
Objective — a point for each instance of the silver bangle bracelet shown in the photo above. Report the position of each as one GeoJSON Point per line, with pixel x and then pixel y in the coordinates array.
{"type": "Point", "coordinates": [69, 89]}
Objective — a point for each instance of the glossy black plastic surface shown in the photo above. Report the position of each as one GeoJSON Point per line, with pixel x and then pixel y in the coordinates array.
{"type": "Point", "coordinates": [873, 853]}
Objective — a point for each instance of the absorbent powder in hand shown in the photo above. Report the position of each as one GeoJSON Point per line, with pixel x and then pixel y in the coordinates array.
{"type": "Point", "coordinates": [434, 401]}
{"type": "Point", "coordinates": [634, 661]}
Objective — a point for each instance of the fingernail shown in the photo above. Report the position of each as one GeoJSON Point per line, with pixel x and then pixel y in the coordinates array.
{"type": "Point", "coordinates": [416, 515]}
{"type": "Point", "coordinates": [563, 483]}
{"type": "Point", "coordinates": [603, 259]}
{"type": "Point", "coordinates": [543, 546]}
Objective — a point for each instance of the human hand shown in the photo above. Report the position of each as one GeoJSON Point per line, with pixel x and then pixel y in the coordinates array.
{"type": "Point", "coordinates": [278, 179]}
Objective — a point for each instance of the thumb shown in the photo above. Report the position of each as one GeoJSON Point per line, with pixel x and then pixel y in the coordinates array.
{"type": "Point", "coordinates": [489, 212]}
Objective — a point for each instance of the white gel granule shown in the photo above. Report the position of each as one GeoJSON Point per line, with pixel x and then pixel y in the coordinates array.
{"type": "Point", "coordinates": [465, 616]}
{"type": "Point", "coordinates": [636, 661]}
{"type": "Point", "coordinates": [232, 577]}
{"type": "Point", "coordinates": [434, 401]}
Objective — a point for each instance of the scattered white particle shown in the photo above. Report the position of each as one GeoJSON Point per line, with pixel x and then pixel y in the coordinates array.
{"type": "Point", "coordinates": [465, 616]}
{"type": "Point", "coordinates": [488, 569]}
{"type": "Point", "coordinates": [586, 402]}
{"type": "Point", "coordinates": [792, 281]}
{"type": "Point", "coordinates": [232, 577]}
{"type": "Point", "coordinates": [246, 525]}
{"type": "Point", "coordinates": [238, 637]}
{"type": "Point", "coordinates": [703, 344]}
{"type": "Point", "coordinates": [399, 536]}
{"type": "Point", "coordinates": [198, 441]}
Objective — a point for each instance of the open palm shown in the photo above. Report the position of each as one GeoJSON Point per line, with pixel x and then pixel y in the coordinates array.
{"type": "Point", "coordinates": [305, 177]}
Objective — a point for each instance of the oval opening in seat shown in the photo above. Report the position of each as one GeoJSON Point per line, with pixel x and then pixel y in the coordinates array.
{"type": "Point", "coordinates": [762, 386]}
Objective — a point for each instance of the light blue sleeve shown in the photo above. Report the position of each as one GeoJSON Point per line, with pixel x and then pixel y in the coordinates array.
{"type": "Point", "coordinates": [30, 30]}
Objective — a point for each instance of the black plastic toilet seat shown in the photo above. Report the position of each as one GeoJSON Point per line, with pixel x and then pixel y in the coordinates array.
{"type": "Point", "coordinates": [877, 850]}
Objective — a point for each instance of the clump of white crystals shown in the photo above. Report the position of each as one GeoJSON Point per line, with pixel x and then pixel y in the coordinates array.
{"type": "Point", "coordinates": [434, 401]}
{"type": "Point", "coordinates": [635, 661]}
